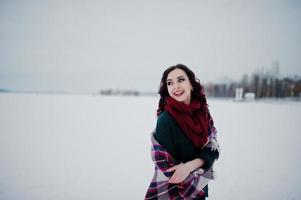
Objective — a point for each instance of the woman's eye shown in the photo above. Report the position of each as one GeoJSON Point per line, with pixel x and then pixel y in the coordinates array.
{"type": "Point", "coordinates": [169, 83]}
{"type": "Point", "coordinates": [181, 79]}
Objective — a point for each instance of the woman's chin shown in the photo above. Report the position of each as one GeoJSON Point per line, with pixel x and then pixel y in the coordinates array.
{"type": "Point", "coordinates": [179, 99]}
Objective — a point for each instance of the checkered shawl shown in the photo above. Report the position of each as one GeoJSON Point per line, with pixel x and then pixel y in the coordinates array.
{"type": "Point", "coordinates": [190, 188]}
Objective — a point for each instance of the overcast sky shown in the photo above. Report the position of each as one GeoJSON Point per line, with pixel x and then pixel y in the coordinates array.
{"type": "Point", "coordinates": [84, 46]}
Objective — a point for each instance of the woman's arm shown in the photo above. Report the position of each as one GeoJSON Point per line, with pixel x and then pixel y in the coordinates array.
{"type": "Point", "coordinates": [163, 133]}
{"type": "Point", "coordinates": [194, 164]}
{"type": "Point", "coordinates": [208, 156]}
{"type": "Point", "coordinates": [211, 151]}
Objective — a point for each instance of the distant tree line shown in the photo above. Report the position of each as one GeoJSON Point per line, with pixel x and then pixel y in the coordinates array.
{"type": "Point", "coordinates": [262, 85]}
{"type": "Point", "coordinates": [119, 92]}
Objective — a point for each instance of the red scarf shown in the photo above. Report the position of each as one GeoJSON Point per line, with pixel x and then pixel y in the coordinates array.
{"type": "Point", "coordinates": [191, 119]}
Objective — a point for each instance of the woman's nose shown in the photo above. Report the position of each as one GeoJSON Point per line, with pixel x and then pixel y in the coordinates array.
{"type": "Point", "coordinates": [176, 85]}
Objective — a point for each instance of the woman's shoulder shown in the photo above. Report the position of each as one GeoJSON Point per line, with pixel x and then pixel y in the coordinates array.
{"type": "Point", "coordinates": [165, 123]}
{"type": "Point", "coordinates": [164, 118]}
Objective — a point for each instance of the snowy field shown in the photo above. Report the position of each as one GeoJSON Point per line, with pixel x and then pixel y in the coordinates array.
{"type": "Point", "coordinates": [72, 147]}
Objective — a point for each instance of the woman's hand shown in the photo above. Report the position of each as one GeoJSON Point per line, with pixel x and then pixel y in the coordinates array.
{"type": "Point", "coordinates": [183, 170]}
{"type": "Point", "coordinates": [181, 173]}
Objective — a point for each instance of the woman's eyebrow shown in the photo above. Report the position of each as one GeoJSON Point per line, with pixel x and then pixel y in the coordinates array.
{"type": "Point", "coordinates": [177, 78]}
{"type": "Point", "coordinates": [180, 77]}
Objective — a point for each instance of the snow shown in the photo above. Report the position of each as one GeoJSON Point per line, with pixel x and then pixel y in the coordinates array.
{"type": "Point", "coordinates": [98, 147]}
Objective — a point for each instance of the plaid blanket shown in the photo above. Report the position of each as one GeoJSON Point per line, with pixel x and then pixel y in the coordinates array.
{"type": "Point", "coordinates": [190, 188]}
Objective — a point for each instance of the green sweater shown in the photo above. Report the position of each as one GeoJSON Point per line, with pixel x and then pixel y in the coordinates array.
{"type": "Point", "coordinates": [174, 140]}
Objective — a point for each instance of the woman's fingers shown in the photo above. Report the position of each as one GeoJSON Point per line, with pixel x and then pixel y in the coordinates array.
{"type": "Point", "coordinates": [172, 179]}
{"type": "Point", "coordinates": [175, 178]}
{"type": "Point", "coordinates": [180, 173]}
{"type": "Point", "coordinates": [171, 169]}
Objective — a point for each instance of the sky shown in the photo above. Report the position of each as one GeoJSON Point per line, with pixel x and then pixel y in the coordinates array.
{"type": "Point", "coordinates": [86, 46]}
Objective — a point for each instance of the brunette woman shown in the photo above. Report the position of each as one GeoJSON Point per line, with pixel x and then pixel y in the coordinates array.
{"type": "Point", "coordinates": [184, 145]}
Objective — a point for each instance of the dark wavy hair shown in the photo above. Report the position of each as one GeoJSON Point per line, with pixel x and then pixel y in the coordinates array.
{"type": "Point", "coordinates": [197, 92]}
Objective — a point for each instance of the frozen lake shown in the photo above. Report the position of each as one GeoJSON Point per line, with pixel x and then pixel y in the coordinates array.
{"type": "Point", "coordinates": [96, 147]}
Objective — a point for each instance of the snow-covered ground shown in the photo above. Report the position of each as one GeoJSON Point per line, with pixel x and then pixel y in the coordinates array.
{"type": "Point", "coordinates": [96, 147]}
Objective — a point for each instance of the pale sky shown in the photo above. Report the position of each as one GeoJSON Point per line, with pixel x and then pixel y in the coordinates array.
{"type": "Point", "coordinates": [85, 46]}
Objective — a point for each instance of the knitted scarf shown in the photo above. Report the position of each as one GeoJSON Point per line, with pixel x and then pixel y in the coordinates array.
{"type": "Point", "coordinates": [191, 119]}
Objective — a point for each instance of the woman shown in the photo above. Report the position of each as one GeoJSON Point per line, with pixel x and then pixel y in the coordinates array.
{"type": "Point", "coordinates": [184, 142]}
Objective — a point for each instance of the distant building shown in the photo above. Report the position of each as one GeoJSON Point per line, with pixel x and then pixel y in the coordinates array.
{"type": "Point", "coordinates": [238, 94]}
{"type": "Point", "coordinates": [250, 96]}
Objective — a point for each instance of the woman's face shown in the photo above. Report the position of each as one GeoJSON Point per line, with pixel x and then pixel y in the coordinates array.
{"type": "Point", "coordinates": [179, 86]}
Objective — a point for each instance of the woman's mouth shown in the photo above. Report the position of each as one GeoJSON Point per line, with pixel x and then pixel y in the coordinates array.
{"type": "Point", "coordinates": [178, 93]}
